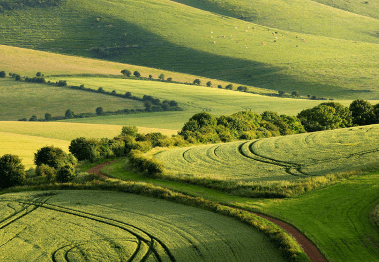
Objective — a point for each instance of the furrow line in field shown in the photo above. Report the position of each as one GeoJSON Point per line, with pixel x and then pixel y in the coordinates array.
{"type": "Point", "coordinates": [286, 165]}
{"type": "Point", "coordinates": [111, 222]}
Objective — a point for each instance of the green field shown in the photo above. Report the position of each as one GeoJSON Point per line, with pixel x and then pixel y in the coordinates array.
{"type": "Point", "coordinates": [111, 226]}
{"type": "Point", "coordinates": [337, 58]}
{"type": "Point", "coordinates": [27, 99]}
{"type": "Point", "coordinates": [278, 158]}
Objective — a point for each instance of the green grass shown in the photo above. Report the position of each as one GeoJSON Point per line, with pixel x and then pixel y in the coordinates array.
{"type": "Point", "coordinates": [342, 65]}
{"type": "Point", "coordinates": [93, 225]}
{"type": "Point", "coordinates": [275, 161]}
{"type": "Point", "coordinates": [27, 99]}
{"type": "Point", "coordinates": [193, 99]}
{"type": "Point", "coordinates": [337, 218]}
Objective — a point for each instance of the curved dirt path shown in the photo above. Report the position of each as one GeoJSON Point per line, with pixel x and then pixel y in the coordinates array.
{"type": "Point", "coordinates": [309, 248]}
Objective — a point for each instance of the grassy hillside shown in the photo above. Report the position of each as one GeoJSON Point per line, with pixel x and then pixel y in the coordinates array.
{"type": "Point", "coordinates": [27, 99]}
{"type": "Point", "coordinates": [212, 45]}
{"type": "Point", "coordinates": [191, 98]}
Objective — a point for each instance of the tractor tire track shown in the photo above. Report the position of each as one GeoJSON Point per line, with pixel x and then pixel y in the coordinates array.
{"type": "Point", "coordinates": [309, 248]}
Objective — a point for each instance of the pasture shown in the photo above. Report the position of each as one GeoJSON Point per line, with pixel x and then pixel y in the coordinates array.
{"type": "Point", "coordinates": [192, 98]}
{"type": "Point", "coordinates": [283, 158]}
{"type": "Point", "coordinates": [338, 65]}
{"type": "Point", "coordinates": [100, 225]}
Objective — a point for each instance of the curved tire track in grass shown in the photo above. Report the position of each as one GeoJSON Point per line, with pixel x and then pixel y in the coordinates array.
{"type": "Point", "coordinates": [309, 248]}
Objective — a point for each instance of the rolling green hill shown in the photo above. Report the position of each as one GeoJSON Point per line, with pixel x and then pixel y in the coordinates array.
{"type": "Point", "coordinates": [337, 61]}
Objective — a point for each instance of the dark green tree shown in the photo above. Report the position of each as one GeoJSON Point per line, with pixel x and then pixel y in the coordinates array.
{"type": "Point", "coordinates": [209, 84]}
{"type": "Point", "coordinates": [161, 77]}
{"type": "Point", "coordinates": [128, 94]}
{"type": "Point", "coordinates": [126, 72]}
{"type": "Point", "coordinates": [129, 131]}
{"type": "Point", "coordinates": [229, 87]}
{"type": "Point", "coordinates": [65, 173]}
{"type": "Point", "coordinates": [137, 74]}
{"type": "Point", "coordinates": [69, 113]}
{"type": "Point", "coordinates": [48, 117]}
{"type": "Point", "coordinates": [362, 112]}
{"type": "Point", "coordinates": [12, 171]}
{"type": "Point", "coordinates": [99, 111]}
{"type": "Point", "coordinates": [196, 81]}
{"type": "Point", "coordinates": [33, 118]}
{"type": "Point", "coordinates": [51, 156]}
{"type": "Point", "coordinates": [2, 74]}
{"type": "Point", "coordinates": [295, 93]}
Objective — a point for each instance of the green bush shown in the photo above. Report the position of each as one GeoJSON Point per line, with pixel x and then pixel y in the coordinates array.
{"type": "Point", "coordinates": [49, 173]}
{"type": "Point", "coordinates": [12, 171]}
{"type": "Point", "coordinates": [51, 156]}
{"type": "Point", "coordinates": [65, 173]}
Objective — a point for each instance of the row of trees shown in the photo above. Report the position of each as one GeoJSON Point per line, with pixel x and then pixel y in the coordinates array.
{"type": "Point", "coordinates": [332, 115]}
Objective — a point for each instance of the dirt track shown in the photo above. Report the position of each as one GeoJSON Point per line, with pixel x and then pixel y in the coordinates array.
{"type": "Point", "coordinates": [309, 248]}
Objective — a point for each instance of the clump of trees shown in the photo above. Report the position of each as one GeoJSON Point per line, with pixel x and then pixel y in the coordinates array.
{"type": "Point", "coordinates": [12, 171]}
{"type": "Point", "coordinates": [332, 115]}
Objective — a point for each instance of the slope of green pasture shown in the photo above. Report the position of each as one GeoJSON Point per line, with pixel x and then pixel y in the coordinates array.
{"type": "Point", "coordinates": [278, 158]}
{"type": "Point", "coordinates": [27, 99]}
{"type": "Point", "coordinates": [193, 99]}
{"type": "Point", "coordinates": [27, 62]}
{"type": "Point", "coordinates": [202, 43]}
{"type": "Point", "coordinates": [25, 146]}
{"type": "Point", "coordinates": [93, 225]}
{"type": "Point", "coordinates": [311, 17]}
{"type": "Point", "coordinates": [337, 218]}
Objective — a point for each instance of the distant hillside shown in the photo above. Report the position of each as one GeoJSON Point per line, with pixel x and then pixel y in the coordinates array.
{"type": "Point", "coordinates": [176, 37]}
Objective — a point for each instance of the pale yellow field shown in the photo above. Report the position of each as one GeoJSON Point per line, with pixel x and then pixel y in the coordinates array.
{"type": "Point", "coordinates": [25, 138]}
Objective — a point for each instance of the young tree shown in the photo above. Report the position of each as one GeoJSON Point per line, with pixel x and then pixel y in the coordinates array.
{"type": "Point", "coordinates": [99, 111]}
{"type": "Point", "coordinates": [137, 74]}
{"type": "Point", "coordinates": [161, 77]}
{"type": "Point", "coordinates": [126, 72]}
{"type": "Point", "coordinates": [209, 84]}
{"type": "Point", "coordinates": [196, 81]}
{"type": "Point", "coordinates": [12, 171]}
{"type": "Point", "coordinates": [69, 113]}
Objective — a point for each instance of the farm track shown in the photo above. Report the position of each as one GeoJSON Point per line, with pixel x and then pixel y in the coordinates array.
{"type": "Point", "coordinates": [309, 248]}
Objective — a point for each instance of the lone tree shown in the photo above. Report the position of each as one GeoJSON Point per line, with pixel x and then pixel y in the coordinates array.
{"type": "Point", "coordinates": [137, 74]}
{"type": "Point", "coordinates": [2, 74]}
{"type": "Point", "coordinates": [12, 171]}
{"type": "Point", "coordinates": [99, 111]}
{"type": "Point", "coordinates": [161, 77]}
{"type": "Point", "coordinates": [209, 84]}
{"type": "Point", "coordinates": [295, 93]}
{"type": "Point", "coordinates": [69, 113]}
{"type": "Point", "coordinates": [126, 72]}
{"type": "Point", "coordinates": [196, 81]}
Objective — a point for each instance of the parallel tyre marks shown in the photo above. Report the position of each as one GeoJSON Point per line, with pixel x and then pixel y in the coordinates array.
{"type": "Point", "coordinates": [154, 246]}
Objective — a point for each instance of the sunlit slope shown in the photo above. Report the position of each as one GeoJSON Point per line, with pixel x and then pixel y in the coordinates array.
{"type": "Point", "coordinates": [331, 18]}
{"type": "Point", "coordinates": [113, 226]}
{"type": "Point", "coordinates": [191, 40]}
{"type": "Point", "coordinates": [278, 158]}
{"type": "Point", "coordinates": [25, 138]}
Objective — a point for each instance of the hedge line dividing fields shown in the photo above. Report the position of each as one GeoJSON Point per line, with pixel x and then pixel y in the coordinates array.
{"type": "Point", "coordinates": [104, 225]}
{"type": "Point", "coordinates": [275, 162]}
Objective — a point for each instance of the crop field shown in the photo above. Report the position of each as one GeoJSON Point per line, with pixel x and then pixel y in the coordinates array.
{"type": "Point", "coordinates": [112, 226]}
{"type": "Point", "coordinates": [278, 158]}
{"type": "Point", "coordinates": [337, 61]}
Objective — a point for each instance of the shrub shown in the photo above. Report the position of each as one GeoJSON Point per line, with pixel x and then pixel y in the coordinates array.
{"type": "Point", "coordinates": [196, 81]}
{"type": "Point", "coordinates": [48, 117]}
{"type": "Point", "coordinates": [129, 131]}
{"type": "Point", "coordinates": [51, 156]}
{"type": "Point", "coordinates": [2, 74]}
{"type": "Point", "coordinates": [137, 74]}
{"type": "Point", "coordinates": [229, 87]}
{"type": "Point", "coordinates": [62, 83]}
{"type": "Point", "coordinates": [209, 84]}
{"type": "Point", "coordinates": [126, 72]}
{"type": "Point", "coordinates": [161, 77]}
{"type": "Point", "coordinates": [219, 86]}
{"type": "Point", "coordinates": [69, 113]}
{"type": "Point", "coordinates": [49, 173]}
{"type": "Point", "coordinates": [65, 173]}
{"type": "Point", "coordinates": [12, 171]}
{"type": "Point", "coordinates": [33, 118]}
{"type": "Point", "coordinates": [128, 94]}
{"type": "Point", "coordinates": [99, 111]}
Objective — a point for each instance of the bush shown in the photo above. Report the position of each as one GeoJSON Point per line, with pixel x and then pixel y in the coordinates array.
{"type": "Point", "coordinates": [196, 81]}
{"type": "Point", "coordinates": [65, 173]}
{"type": "Point", "coordinates": [99, 111]}
{"type": "Point", "coordinates": [49, 173]}
{"type": "Point", "coordinates": [2, 74]}
{"type": "Point", "coordinates": [137, 74]}
{"type": "Point", "coordinates": [126, 72]}
{"type": "Point", "coordinates": [209, 84]}
{"type": "Point", "coordinates": [161, 77]}
{"type": "Point", "coordinates": [129, 131]}
{"type": "Point", "coordinates": [12, 171]}
{"type": "Point", "coordinates": [229, 87]}
{"type": "Point", "coordinates": [51, 156]}
{"type": "Point", "coordinates": [362, 112]}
